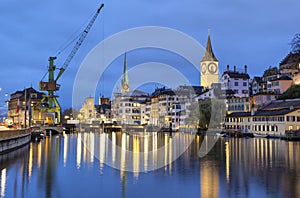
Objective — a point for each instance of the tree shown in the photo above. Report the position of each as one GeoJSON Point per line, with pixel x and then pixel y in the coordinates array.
{"type": "Point", "coordinates": [271, 71]}
{"type": "Point", "coordinates": [207, 113]}
{"type": "Point", "coordinates": [290, 93]}
{"type": "Point", "coordinates": [295, 44]}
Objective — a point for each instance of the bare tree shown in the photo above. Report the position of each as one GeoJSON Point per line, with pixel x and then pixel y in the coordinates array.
{"type": "Point", "coordinates": [295, 44]}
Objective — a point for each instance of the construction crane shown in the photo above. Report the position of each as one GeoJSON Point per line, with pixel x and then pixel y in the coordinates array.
{"type": "Point", "coordinates": [52, 105]}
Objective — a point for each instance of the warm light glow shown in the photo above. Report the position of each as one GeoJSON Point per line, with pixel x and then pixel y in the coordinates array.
{"type": "Point", "coordinates": [170, 153]}
{"type": "Point", "coordinates": [30, 161]}
{"type": "Point", "coordinates": [84, 147]}
{"type": "Point", "coordinates": [166, 151]}
{"type": "Point", "coordinates": [39, 155]}
{"type": "Point", "coordinates": [154, 150]}
{"type": "Point", "coordinates": [3, 182]}
{"type": "Point", "coordinates": [101, 150]}
{"type": "Point", "coordinates": [123, 154]}
{"type": "Point", "coordinates": [136, 155]}
{"type": "Point", "coordinates": [146, 139]}
{"type": "Point", "coordinates": [65, 149]}
{"type": "Point", "coordinates": [113, 147]}
{"type": "Point", "coordinates": [78, 154]}
{"type": "Point", "coordinates": [227, 155]}
{"type": "Point", "coordinates": [92, 147]}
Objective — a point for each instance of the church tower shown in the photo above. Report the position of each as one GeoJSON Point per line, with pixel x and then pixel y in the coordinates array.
{"type": "Point", "coordinates": [209, 66]}
{"type": "Point", "coordinates": [125, 81]}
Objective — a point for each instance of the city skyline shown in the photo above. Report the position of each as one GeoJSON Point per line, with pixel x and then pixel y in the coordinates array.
{"type": "Point", "coordinates": [243, 33]}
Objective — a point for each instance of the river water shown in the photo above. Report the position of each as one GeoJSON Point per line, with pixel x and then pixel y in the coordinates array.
{"type": "Point", "coordinates": [92, 165]}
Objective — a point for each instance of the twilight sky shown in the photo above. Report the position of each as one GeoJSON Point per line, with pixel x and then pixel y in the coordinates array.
{"type": "Point", "coordinates": [256, 33]}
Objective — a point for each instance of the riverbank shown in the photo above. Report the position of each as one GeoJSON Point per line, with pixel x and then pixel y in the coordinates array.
{"type": "Point", "coordinates": [13, 139]}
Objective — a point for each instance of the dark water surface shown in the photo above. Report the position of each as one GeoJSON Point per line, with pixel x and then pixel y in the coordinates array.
{"type": "Point", "coordinates": [74, 166]}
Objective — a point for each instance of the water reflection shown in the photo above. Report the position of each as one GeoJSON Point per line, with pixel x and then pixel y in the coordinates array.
{"type": "Point", "coordinates": [74, 165]}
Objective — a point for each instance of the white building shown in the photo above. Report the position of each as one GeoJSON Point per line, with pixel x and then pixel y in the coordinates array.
{"type": "Point", "coordinates": [236, 81]}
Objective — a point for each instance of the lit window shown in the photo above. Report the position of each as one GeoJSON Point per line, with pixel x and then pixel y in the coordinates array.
{"type": "Point", "coordinates": [290, 127]}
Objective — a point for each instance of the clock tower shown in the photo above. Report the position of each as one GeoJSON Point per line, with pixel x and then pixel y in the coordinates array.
{"type": "Point", "coordinates": [209, 67]}
{"type": "Point", "coordinates": [125, 82]}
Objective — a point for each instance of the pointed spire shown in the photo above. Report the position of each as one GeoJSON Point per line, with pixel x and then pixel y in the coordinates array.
{"type": "Point", "coordinates": [125, 81]}
{"type": "Point", "coordinates": [209, 54]}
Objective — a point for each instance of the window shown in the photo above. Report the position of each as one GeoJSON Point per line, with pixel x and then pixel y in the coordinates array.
{"type": "Point", "coordinates": [236, 83]}
{"type": "Point", "coordinates": [290, 127]}
{"type": "Point", "coordinates": [268, 98]}
{"type": "Point", "coordinates": [244, 84]}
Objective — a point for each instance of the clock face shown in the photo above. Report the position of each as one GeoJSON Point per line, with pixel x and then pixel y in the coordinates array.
{"type": "Point", "coordinates": [125, 86]}
{"type": "Point", "coordinates": [212, 68]}
{"type": "Point", "coordinates": [203, 68]}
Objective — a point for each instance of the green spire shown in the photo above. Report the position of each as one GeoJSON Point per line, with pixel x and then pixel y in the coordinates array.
{"type": "Point", "coordinates": [209, 54]}
{"type": "Point", "coordinates": [125, 81]}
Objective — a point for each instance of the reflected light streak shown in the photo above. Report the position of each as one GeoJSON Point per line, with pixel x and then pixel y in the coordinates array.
{"type": "Point", "coordinates": [227, 155]}
{"type": "Point", "coordinates": [39, 154]}
{"type": "Point", "coordinates": [136, 155]}
{"type": "Point", "coordinates": [146, 139]}
{"type": "Point", "coordinates": [30, 161]}
{"type": "Point", "coordinates": [170, 153]}
{"type": "Point", "coordinates": [154, 150]}
{"type": "Point", "coordinates": [65, 149]}
{"type": "Point", "coordinates": [84, 146]}
{"type": "Point", "coordinates": [78, 155]}
{"type": "Point", "coordinates": [166, 151]}
{"type": "Point", "coordinates": [123, 155]}
{"type": "Point", "coordinates": [102, 150]}
{"type": "Point", "coordinates": [3, 182]}
{"type": "Point", "coordinates": [113, 147]}
{"type": "Point", "coordinates": [92, 147]}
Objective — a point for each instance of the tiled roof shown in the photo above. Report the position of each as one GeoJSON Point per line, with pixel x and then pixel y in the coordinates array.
{"type": "Point", "coordinates": [282, 104]}
{"type": "Point", "coordinates": [282, 78]}
{"type": "Point", "coordinates": [233, 74]}
{"type": "Point", "coordinates": [262, 113]}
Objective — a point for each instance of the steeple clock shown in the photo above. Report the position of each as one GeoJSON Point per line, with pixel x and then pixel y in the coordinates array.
{"type": "Point", "coordinates": [209, 67]}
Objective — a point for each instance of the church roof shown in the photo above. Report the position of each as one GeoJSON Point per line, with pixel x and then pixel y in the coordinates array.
{"type": "Point", "coordinates": [209, 54]}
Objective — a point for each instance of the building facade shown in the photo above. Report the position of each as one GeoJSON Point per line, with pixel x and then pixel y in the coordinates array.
{"type": "Point", "coordinates": [236, 81]}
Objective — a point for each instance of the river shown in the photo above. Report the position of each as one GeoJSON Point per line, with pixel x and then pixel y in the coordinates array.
{"type": "Point", "coordinates": [96, 165]}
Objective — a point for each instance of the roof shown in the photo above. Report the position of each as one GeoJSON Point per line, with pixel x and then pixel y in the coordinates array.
{"type": "Point", "coordinates": [291, 58]}
{"type": "Point", "coordinates": [262, 113]}
{"type": "Point", "coordinates": [239, 114]}
{"type": "Point", "coordinates": [282, 104]}
{"type": "Point", "coordinates": [282, 78]}
{"type": "Point", "coordinates": [209, 54]}
{"type": "Point", "coordinates": [162, 91]}
{"type": "Point", "coordinates": [136, 93]}
{"type": "Point", "coordinates": [233, 74]}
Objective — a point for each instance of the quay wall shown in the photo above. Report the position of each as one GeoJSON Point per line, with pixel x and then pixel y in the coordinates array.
{"type": "Point", "coordinates": [13, 139]}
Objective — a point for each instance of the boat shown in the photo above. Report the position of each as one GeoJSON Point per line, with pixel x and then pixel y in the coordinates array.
{"type": "Point", "coordinates": [221, 134]}
{"type": "Point", "coordinates": [260, 135]}
{"type": "Point", "coordinates": [36, 133]}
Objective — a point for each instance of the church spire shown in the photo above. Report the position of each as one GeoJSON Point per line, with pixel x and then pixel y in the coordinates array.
{"type": "Point", "coordinates": [209, 54]}
{"type": "Point", "coordinates": [125, 81]}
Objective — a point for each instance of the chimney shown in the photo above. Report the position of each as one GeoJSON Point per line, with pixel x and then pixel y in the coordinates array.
{"type": "Point", "coordinates": [245, 69]}
{"type": "Point", "coordinates": [227, 68]}
{"type": "Point", "coordinates": [234, 68]}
